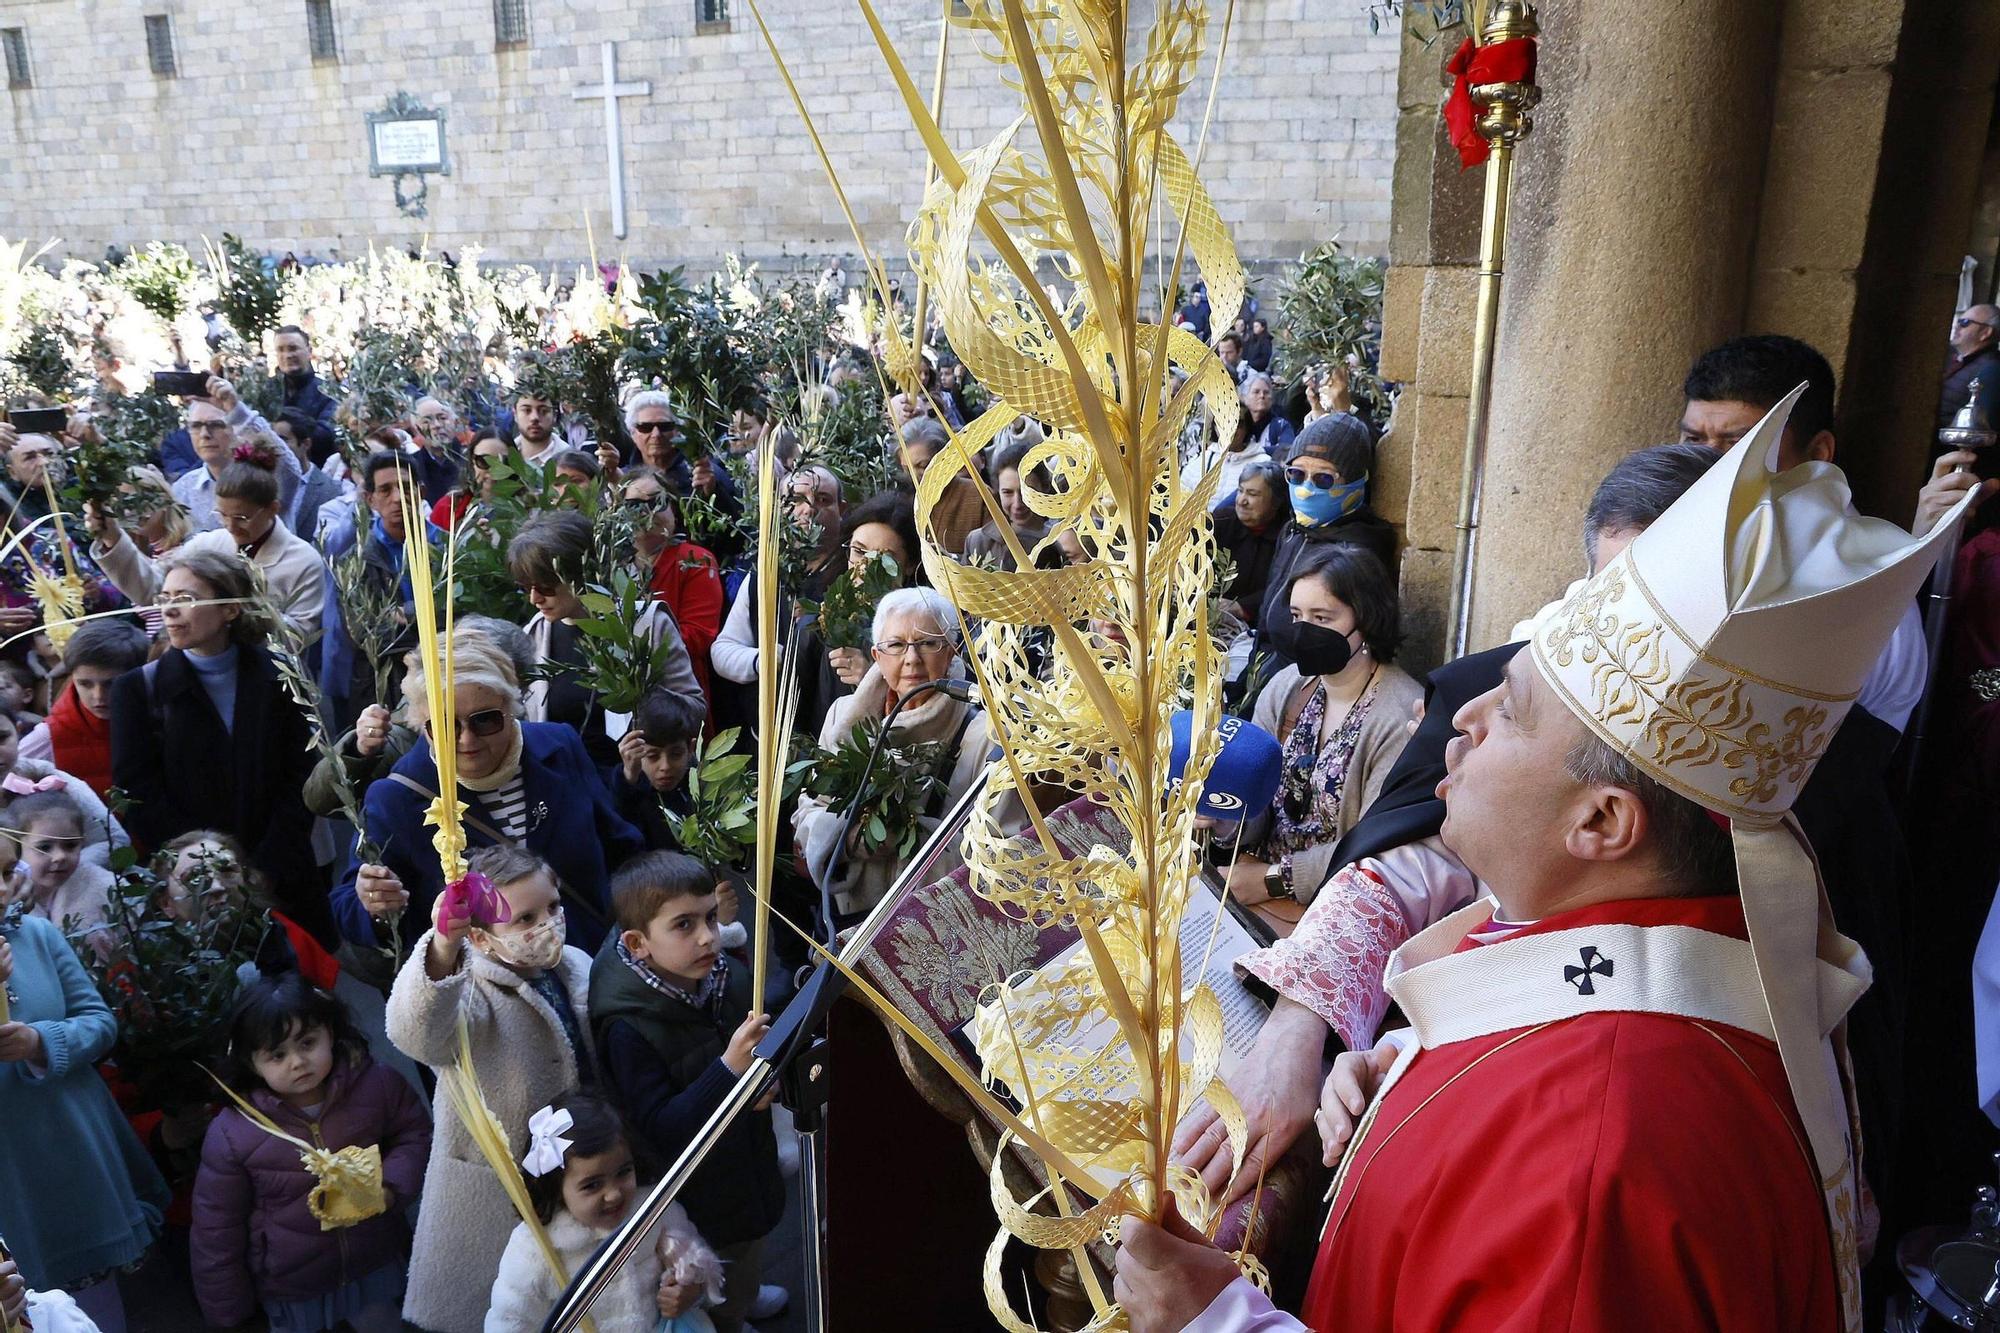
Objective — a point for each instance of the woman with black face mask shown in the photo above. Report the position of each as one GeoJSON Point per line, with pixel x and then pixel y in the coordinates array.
{"type": "Point", "coordinates": [1341, 714]}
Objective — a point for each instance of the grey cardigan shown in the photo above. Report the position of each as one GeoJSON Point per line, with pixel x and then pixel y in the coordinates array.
{"type": "Point", "coordinates": [1384, 731]}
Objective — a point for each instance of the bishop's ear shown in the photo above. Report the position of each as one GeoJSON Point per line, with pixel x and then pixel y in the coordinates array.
{"type": "Point", "coordinates": [1611, 824]}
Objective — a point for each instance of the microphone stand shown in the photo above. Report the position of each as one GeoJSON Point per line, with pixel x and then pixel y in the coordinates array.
{"type": "Point", "coordinates": [790, 1037]}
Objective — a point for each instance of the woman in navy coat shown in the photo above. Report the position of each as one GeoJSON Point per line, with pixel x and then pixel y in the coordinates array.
{"type": "Point", "coordinates": [525, 783]}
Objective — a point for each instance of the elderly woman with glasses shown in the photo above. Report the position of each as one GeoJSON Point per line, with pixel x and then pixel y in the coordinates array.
{"type": "Point", "coordinates": [916, 642]}
{"type": "Point", "coordinates": [524, 784]}
{"type": "Point", "coordinates": [206, 736]}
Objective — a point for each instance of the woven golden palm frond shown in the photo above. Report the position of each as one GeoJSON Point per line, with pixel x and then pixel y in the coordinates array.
{"type": "Point", "coordinates": [434, 642]}
{"type": "Point", "coordinates": [468, 1102]}
{"type": "Point", "coordinates": [1076, 181]}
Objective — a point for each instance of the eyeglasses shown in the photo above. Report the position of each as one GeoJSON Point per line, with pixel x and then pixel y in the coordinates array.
{"type": "Point", "coordinates": [207, 427]}
{"type": "Point", "coordinates": [1962, 321]}
{"type": "Point", "coordinates": [168, 600]}
{"type": "Point", "coordinates": [485, 722]}
{"type": "Point", "coordinates": [1325, 481]}
{"type": "Point", "coordinates": [649, 427]}
{"type": "Point", "coordinates": [935, 643]}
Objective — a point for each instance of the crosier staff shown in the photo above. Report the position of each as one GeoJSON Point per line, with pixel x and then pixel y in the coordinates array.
{"type": "Point", "coordinates": [1486, 115]}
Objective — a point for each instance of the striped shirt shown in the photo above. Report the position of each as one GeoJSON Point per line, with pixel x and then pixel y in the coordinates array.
{"type": "Point", "coordinates": [507, 805]}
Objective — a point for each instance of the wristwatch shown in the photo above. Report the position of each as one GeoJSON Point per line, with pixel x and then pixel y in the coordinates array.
{"type": "Point", "coordinates": [1276, 882]}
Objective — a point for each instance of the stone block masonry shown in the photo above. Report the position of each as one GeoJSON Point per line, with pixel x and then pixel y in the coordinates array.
{"type": "Point", "coordinates": [252, 136]}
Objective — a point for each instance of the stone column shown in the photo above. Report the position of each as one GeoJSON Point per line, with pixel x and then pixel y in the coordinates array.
{"type": "Point", "coordinates": [1699, 169]}
{"type": "Point", "coordinates": [1635, 212]}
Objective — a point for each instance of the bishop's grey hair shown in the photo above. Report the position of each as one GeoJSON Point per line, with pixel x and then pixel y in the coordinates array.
{"type": "Point", "coordinates": [1694, 853]}
{"type": "Point", "coordinates": [1642, 486]}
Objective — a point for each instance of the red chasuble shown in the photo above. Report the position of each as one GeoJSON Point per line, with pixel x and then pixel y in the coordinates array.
{"type": "Point", "coordinates": [1615, 1170]}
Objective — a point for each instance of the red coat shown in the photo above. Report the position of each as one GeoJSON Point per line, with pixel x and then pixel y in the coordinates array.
{"type": "Point", "coordinates": [686, 578]}
{"type": "Point", "coordinates": [1615, 1171]}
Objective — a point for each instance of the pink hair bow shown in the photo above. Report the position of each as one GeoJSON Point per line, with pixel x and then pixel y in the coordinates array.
{"type": "Point", "coordinates": [16, 785]}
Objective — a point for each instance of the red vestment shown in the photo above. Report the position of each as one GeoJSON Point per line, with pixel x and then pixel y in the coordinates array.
{"type": "Point", "coordinates": [1620, 1171]}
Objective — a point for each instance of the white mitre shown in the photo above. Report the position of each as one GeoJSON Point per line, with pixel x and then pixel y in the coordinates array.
{"type": "Point", "coordinates": [1721, 649]}
{"type": "Point", "coordinates": [1719, 652]}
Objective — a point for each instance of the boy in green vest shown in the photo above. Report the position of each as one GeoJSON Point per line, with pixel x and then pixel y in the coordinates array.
{"type": "Point", "coordinates": [675, 1029]}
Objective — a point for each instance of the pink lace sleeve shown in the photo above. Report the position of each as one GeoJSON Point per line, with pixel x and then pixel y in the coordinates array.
{"type": "Point", "coordinates": [1334, 961]}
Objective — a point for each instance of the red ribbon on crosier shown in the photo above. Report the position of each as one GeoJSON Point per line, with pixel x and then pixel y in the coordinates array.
{"type": "Point", "coordinates": [1511, 61]}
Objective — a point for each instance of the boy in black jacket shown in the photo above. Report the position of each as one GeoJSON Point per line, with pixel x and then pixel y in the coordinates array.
{"type": "Point", "coordinates": [674, 1025]}
{"type": "Point", "coordinates": [653, 761]}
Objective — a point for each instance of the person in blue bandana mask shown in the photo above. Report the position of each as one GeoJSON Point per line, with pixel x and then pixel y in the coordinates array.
{"type": "Point", "coordinates": [1326, 480]}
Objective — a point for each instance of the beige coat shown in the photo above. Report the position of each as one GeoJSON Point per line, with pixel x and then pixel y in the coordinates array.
{"type": "Point", "coordinates": [293, 570]}
{"type": "Point", "coordinates": [817, 829]}
{"type": "Point", "coordinates": [524, 1063]}
{"type": "Point", "coordinates": [1384, 732]}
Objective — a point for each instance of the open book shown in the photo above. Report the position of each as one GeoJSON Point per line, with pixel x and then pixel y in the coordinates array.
{"type": "Point", "coordinates": [1209, 932]}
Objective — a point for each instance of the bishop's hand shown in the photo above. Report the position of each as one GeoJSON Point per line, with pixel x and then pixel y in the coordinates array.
{"type": "Point", "coordinates": [1277, 1085]}
{"type": "Point", "coordinates": [1168, 1272]}
{"type": "Point", "coordinates": [1344, 1098]}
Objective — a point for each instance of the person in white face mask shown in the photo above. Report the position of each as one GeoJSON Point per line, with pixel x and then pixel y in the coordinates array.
{"type": "Point", "coordinates": [523, 998]}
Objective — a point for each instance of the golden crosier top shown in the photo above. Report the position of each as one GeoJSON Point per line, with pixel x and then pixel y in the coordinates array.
{"type": "Point", "coordinates": [1502, 108]}
{"type": "Point", "coordinates": [1722, 648]}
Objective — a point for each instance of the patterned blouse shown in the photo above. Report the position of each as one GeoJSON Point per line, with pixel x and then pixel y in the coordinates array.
{"type": "Point", "coordinates": [1311, 786]}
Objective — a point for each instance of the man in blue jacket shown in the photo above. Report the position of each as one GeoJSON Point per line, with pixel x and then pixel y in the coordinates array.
{"type": "Point", "coordinates": [304, 404]}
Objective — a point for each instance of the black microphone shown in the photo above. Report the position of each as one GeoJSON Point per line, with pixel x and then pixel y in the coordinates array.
{"type": "Point", "coordinates": [962, 690]}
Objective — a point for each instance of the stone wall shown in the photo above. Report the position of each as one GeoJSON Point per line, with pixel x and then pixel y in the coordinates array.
{"type": "Point", "coordinates": [254, 137]}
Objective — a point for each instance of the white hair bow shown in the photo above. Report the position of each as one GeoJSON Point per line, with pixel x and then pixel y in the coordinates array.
{"type": "Point", "coordinates": [546, 1146]}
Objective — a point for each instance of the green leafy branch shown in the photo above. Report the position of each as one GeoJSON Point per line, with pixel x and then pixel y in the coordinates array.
{"type": "Point", "coordinates": [622, 658]}
{"type": "Point", "coordinates": [720, 828]}
{"type": "Point", "coordinates": [846, 615]}
{"type": "Point", "coordinates": [903, 781]}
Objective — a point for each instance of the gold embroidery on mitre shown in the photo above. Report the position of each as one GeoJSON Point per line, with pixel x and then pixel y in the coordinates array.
{"type": "Point", "coordinates": [1692, 722]}
{"type": "Point", "coordinates": [1702, 721]}
{"type": "Point", "coordinates": [1583, 617]}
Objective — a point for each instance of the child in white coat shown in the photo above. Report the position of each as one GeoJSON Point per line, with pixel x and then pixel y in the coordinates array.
{"type": "Point", "coordinates": [584, 1183]}
{"type": "Point", "coordinates": [523, 997]}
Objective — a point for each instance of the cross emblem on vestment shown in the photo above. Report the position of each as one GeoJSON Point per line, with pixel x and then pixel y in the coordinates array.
{"type": "Point", "coordinates": [1583, 978]}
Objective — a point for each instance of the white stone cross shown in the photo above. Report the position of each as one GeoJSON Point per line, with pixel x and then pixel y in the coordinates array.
{"type": "Point", "coordinates": [614, 153]}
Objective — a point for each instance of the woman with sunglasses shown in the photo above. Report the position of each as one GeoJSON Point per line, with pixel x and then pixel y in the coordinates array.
{"type": "Point", "coordinates": [524, 784]}
{"type": "Point", "coordinates": [1326, 484]}
{"type": "Point", "coordinates": [916, 641]}
{"type": "Point", "coordinates": [207, 737]}
{"type": "Point", "coordinates": [548, 558]}
{"type": "Point", "coordinates": [476, 486]}
{"type": "Point", "coordinates": [1341, 713]}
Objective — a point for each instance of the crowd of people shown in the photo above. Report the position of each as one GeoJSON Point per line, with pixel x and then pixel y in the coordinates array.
{"type": "Point", "coordinates": [234, 718]}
